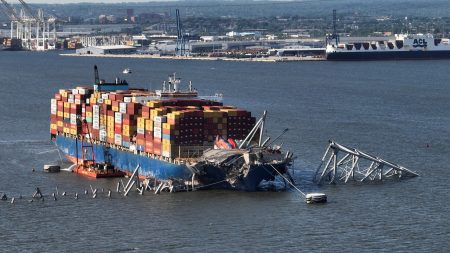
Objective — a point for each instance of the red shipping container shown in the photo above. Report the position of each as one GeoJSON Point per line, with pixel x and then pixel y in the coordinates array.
{"type": "Point", "coordinates": [117, 129]}
{"type": "Point", "coordinates": [133, 108]}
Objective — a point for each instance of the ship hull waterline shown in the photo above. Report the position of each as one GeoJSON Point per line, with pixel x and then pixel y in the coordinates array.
{"type": "Point", "coordinates": [396, 55]}
{"type": "Point", "coordinates": [162, 170]}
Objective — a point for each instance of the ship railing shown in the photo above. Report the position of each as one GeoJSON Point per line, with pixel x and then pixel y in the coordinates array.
{"type": "Point", "coordinates": [184, 152]}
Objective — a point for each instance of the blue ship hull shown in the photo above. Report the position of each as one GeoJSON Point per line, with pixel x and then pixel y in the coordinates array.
{"type": "Point", "coordinates": [393, 55]}
{"type": "Point", "coordinates": [125, 160]}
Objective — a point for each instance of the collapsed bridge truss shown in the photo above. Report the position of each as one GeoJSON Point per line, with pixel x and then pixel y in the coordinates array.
{"type": "Point", "coordinates": [344, 164]}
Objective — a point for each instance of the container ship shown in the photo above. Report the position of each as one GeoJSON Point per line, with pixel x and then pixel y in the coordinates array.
{"type": "Point", "coordinates": [403, 46]}
{"type": "Point", "coordinates": [172, 134]}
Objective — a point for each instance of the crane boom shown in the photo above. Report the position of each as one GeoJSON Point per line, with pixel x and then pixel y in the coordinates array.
{"type": "Point", "coordinates": [28, 9]}
{"type": "Point", "coordinates": [13, 16]}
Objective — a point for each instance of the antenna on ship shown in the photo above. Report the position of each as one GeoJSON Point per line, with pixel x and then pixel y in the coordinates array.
{"type": "Point", "coordinates": [97, 78]}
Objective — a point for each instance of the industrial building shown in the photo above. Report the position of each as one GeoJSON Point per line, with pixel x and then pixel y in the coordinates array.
{"type": "Point", "coordinates": [117, 49]}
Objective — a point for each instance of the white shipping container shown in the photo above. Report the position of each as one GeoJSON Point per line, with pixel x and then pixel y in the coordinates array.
{"type": "Point", "coordinates": [141, 130]}
{"type": "Point", "coordinates": [103, 135]}
{"type": "Point", "coordinates": [100, 100]}
{"type": "Point", "coordinates": [74, 91]}
{"type": "Point", "coordinates": [73, 119]}
{"type": "Point", "coordinates": [105, 96]}
{"type": "Point", "coordinates": [70, 100]}
{"type": "Point", "coordinates": [157, 132]}
{"type": "Point", "coordinates": [127, 99]}
{"type": "Point", "coordinates": [118, 139]}
{"type": "Point", "coordinates": [123, 107]}
{"type": "Point", "coordinates": [118, 117]}
{"type": "Point", "coordinates": [77, 101]}
{"type": "Point", "coordinates": [71, 96]}
{"type": "Point", "coordinates": [82, 91]}
{"type": "Point", "coordinates": [53, 106]}
{"type": "Point", "coordinates": [160, 119]}
{"type": "Point", "coordinates": [95, 110]}
{"type": "Point", "coordinates": [95, 123]}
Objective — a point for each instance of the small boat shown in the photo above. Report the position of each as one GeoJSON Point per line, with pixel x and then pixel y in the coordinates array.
{"type": "Point", "coordinates": [127, 71]}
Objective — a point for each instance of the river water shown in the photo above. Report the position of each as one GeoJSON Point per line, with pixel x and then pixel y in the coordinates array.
{"type": "Point", "coordinates": [398, 110]}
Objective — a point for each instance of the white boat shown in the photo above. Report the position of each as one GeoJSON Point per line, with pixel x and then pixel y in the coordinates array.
{"type": "Point", "coordinates": [127, 71]}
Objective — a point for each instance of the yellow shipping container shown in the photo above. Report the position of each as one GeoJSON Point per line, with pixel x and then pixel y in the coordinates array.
{"type": "Point", "coordinates": [53, 126]}
{"type": "Point", "coordinates": [67, 115]}
{"type": "Point", "coordinates": [107, 101]}
{"type": "Point", "coordinates": [115, 108]}
{"type": "Point", "coordinates": [154, 104]}
{"type": "Point", "coordinates": [60, 114]}
{"type": "Point", "coordinates": [149, 125]}
{"type": "Point", "coordinates": [66, 130]}
{"type": "Point", "coordinates": [64, 93]}
{"type": "Point", "coordinates": [66, 105]}
{"type": "Point", "coordinates": [141, 122]}
{"type": "Point", "coordinates": [73, 131]}
{"type": "Point", "coordinates": [59, 123]}
{"type": "Point", "coordinates": [88, 114]}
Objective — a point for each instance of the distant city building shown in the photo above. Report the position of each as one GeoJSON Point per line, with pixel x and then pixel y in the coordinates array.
{"type": "Point", "coordinates": [130, 13]}
{"type": "Point", "coordinates": [243, 34]}
{"type": "Point", "coordinates": [102, 19]}
{"type": "Point", "coordinates": [151, 17]}
{"type": "Point", "coordinates": [208, 38]}
{"type": "Point", "coordinates": [118, 49]}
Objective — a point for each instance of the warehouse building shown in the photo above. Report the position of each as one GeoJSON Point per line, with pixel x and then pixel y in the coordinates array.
{"type": "Point", "coordinates": [116, 49]}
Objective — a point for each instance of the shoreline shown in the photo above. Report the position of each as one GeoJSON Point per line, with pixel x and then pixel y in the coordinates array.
{"type": "Point", "coordinates": [145, 56]}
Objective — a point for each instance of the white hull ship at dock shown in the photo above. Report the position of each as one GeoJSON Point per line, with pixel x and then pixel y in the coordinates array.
{"type": "Point", "coordinates": [402, 47]}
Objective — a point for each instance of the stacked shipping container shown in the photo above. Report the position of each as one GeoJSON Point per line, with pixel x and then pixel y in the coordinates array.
{"type": "Point", "coordinates": [170, 128]}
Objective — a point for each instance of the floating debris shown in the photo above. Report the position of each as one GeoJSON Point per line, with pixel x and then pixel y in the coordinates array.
{"type": "Point", "coordinates": [38, 193]}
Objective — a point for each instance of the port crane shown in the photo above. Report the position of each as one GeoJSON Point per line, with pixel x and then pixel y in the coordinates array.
{"type": "Point", "coordinates": [180, 49]}
{"type": "Point", "coordinates": [32, 30]}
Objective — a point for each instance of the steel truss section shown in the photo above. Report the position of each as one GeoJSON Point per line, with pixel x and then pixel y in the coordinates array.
{"type": "Point", "coordinates": [344, 164]}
